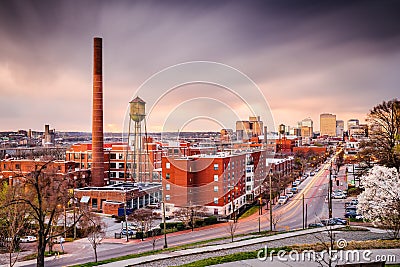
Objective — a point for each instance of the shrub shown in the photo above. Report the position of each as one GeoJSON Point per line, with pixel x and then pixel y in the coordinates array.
{"type": "Point", "coordinates": [210, 220]}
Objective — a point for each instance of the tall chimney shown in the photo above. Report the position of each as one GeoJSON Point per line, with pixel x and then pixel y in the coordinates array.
{"type": "Point", "coordinates": [97, 119]}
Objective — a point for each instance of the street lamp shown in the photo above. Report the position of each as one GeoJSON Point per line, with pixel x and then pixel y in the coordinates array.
{"type": "Point", "coordinates": [126, 219]}
{"type": "Point", "coordinates": [142, 229]}
{"type": "Point", "coordinates": [270, 201]}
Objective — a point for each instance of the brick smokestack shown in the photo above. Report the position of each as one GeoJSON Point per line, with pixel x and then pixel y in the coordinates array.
{"type": "Point", "coordinates": [97, 119]}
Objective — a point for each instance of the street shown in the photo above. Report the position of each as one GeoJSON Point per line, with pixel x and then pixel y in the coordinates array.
{"type": "Point", "coordinates": [314, 189]}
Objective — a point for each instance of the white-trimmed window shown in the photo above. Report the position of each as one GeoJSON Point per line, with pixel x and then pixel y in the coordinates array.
{"type": "Point", "coordinates": [167, 197]}
{"type": "Point", "coordinates": [216, 188]}
{"type": "Point", "coordinates": [216, 178]}
{"type": "Point", "coordinates": [216, 167]}
{"type": "Point", "coordinates": [167, 165]}
{"type": "Point", "coordinates": [215, 200]}
{"type": "Point", "coordinates": [167, 187]}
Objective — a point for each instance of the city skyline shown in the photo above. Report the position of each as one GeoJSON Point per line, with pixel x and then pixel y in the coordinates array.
{"type": "Point", "coordinates": [306, 58]}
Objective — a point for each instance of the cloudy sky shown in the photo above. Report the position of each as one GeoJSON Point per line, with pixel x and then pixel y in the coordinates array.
{"type": "Point", "coordinates": [306, 58]}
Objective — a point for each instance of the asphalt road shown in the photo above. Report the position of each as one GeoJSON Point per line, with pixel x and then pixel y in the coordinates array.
{"type": "Point", "coordinates": [314, 189]}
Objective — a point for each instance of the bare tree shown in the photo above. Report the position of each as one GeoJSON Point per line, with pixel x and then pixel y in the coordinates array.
{"type": "Point", "coordinates": [327, 241]}
{"type": "Point", "coordinates": [184, 215]}
{"type": "Point", "coordinates": [44, 192]}
{"type": "Point", "coordinates": [144, 218]}
{"type": "Point", "coordinates": [94, 229]}
{"type": "Point", "coordinates": [231, 228]}
{"type": "Point", "coordinates": [384, 133]}
{"type": "Point", "coordinates": [13, 223]}
{"type": "Point", "coordinates": [276, 218]}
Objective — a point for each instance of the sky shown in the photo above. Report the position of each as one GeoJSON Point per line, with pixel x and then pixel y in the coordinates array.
{"type": "Point", "coordinates": [300, 59]}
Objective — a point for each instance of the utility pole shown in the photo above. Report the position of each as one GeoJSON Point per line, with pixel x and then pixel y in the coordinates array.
{"type": "Point", "coordinates": [330, 192]}
{"type": "Point", "coordinates": [165, 223]}
{"type": "Point", "coordinates": [306, 216]}
{"type": "Point", "coordinates": [191, 218]}
{"type": "Point", "coordinates": [303, 213]}
{"type": "Point", "coordinates": [270, 202]}
{"type": "Point", "coordinates": [65, 222]}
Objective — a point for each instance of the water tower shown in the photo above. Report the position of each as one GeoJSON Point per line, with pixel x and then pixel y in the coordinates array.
{"type": "Point", "coordinates": [134, 153]}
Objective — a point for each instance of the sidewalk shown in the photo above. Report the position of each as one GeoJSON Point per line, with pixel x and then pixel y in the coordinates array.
{"type": "Point", "coordinates": [186, 252]}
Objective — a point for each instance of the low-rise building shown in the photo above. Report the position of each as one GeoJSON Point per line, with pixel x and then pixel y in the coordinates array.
{"type": "Point", "coordinates": [222, 183]}
{"type": "Point", "coordinates": [113, 199]}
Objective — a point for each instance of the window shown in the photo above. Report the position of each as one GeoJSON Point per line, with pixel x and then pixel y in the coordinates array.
{"type": "Point", "coordinates": [113, 165]}
{"type": "Point", "coordinates": [89, 165]}
{"type": "Point", "coordinates": [167, 176]}
{"type": "Point", "coordinates": [76, 156]}
{"type": "Point", "coordinates": [215, 200]}
{"type": "Point", "coordinates": [167, 165]}
{"type": "Point", "coordinates": [94, 203]}
{"type": "Point", "coordinates": [167, 197]}
{"type": "Point", "coordinates": [113, 156]}
{"type": "Point", "coordinates": [216, 167]}
{"type": "Point", "coordinates": [215, 188]}
{"type": "Point", "coordinates": [90, 156]}
{"type": "Point", "coordinates": [120, 156]}
{"type": "Point", "coordinates": [17, 166]}
{"type": "Point", "coordinates": [121, 175]}
{"type": "Point", "coordinates": [167, 187]}
{"type": "Point", "coordinates": [121, 165]}
{"type": "Point", "coordinates": [216, 178]}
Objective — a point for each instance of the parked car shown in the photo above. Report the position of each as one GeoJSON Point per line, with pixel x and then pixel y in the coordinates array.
{"type": "Point", "coordinates": [339, 195]}
{"type": "Point", "coordinates": [340, 220]}
{"type": "Point", "coordinates": [28, 239]}
{"type": "Point", "coordinates": [314, 225]}
{"type": "Point", "coordinates": [58, 240]}
{"type": "Point", "coordinates": [312, 173]}
{"type": "Point", "coordinates": [332, 221]}
{"type": "Point", "coordinates": [289, 194]}
{"type": "Point", "coordinates": [354, 202]}
{"type": "Point", "coordinates": [352, 214]}
{"type": "Point", "coordinates": [282, 200]}
{"type": "Point", "coordinates": [130, 232]}
{"type": "Point", "coordinates": [294, 190]}
{"type": "Point", "coordinates": [295, 183]}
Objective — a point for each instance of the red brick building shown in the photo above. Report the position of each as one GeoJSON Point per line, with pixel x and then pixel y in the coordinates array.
{"type": "Point", "coordinates": [14, 170]}
{"type": "Point", "coordinates": [219, 182]}
{"type": "Point", "coordinates": [118, 161]}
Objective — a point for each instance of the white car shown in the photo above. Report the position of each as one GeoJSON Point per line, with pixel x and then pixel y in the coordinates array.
{"type": "Point", "coordinates": [282, 200]}
{"type": "Point", "coordinates": [28, 239]}
{"type": "Point", "coordinates": [289, 194]}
